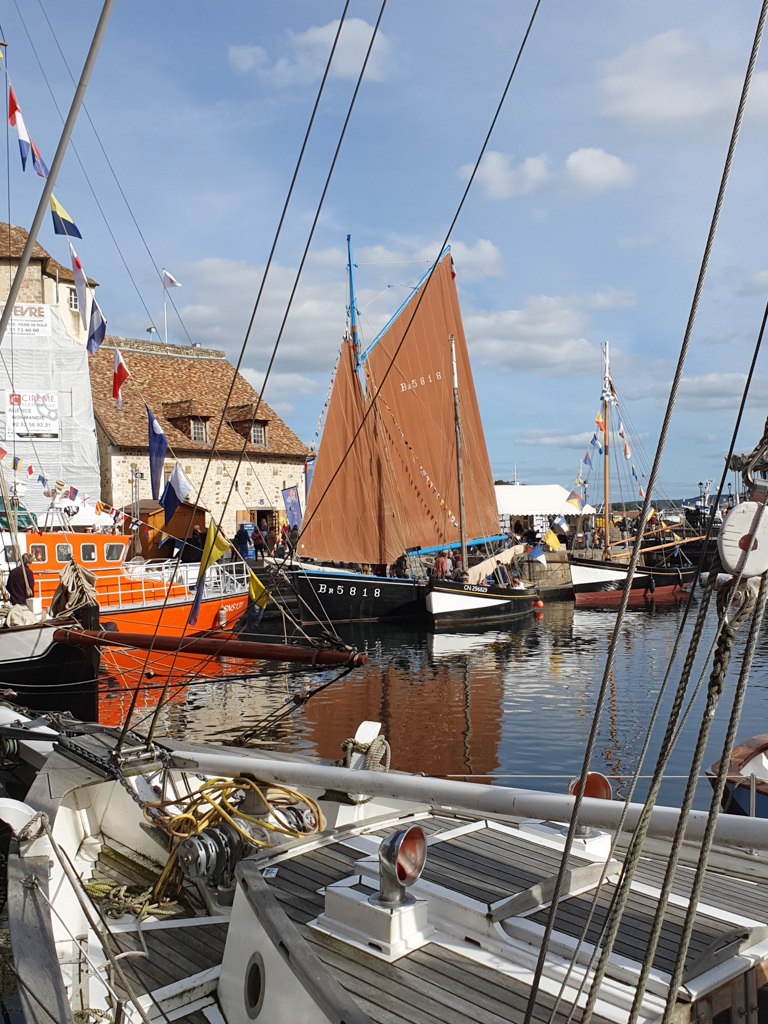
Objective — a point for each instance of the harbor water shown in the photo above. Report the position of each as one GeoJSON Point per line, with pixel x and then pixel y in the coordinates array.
{"type": "Point", "coordinates": [512, 704]}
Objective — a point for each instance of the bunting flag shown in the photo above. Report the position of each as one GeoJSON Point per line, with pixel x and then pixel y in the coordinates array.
{"type": "Point", "coordinates": [81, 284]}
{"type": "Point", "coordinates": [16, 464]}
{"type": "Point", "coordinates": [99, 507]}
{"type": "Point", "coordinates": [627, 452]}
{"type": "Point", "coordinates": [120, 377]}
{"type": "Point", "coordinates": [596, 444]}
{"type": "Point", "coordinates": [41, 480]}
{"type": "Point", "coordinates": [575, 499]}
{"type": "Point", "coordinates": [72, 494]}
{"type": "Point", "coordinates": [85, 499]}
{"type": "Point", "coordinates": [621, 430]}
{"type": "Point", "coordinates": [15, 120]}
{"type": "Point", "coordinates": [215, 546]}
{"type": "Point", "coordinates": [176, 491]}
{"type": "Point", "coordinates": [453, 270]}
{"type": "Point", "coordinates": [561, 523]}
{"type": "Point", "coordinates": [97, 329]}
{"type": "Point", "coordinates": [599, 422]}
{"type": "Point", "coordinates": [30, 471]}
{"type": "Point", "coordinates": [169, 281]}
{"type": "Point", "coordinates": [158, 446]}
{"type": "Point", "coordinates": [257, 592]}
{"type": "Point", "coordinates": [60, 485]}
{"type": "Point", "coordinates": [62, 222]}
{"type": "Point", "coordinates": [550, 539]}
{"type": "Point", "coordinates": [537, 555]}
{"type": "Point", "coordinates": [37, 161]}
{"type": "Point", "coordinates": [3, 453]}
{"type": "Point", "coordinates": [634, 474]}
{"type": "Point", "coordinates": [642, 493]}
{"type": "Point", "coordinates": [586, 460]}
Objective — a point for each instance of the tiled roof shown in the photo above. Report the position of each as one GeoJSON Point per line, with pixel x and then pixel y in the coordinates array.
{"type": "Point", "coordinates": [166, 382]}
{"type": "Point", "coordinates": [12, 244]}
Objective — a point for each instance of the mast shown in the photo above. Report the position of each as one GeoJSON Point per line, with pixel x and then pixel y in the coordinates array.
{"type": "Point", "coordinates": [460, 472]}
{"type": "Point", "coordinates": [607, 464]}
{"type": "Point", "coordinates": [352, 309]}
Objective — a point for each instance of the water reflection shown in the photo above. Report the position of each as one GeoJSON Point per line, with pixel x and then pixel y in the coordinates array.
{"type": "Point", "coordinates": [516, 702]}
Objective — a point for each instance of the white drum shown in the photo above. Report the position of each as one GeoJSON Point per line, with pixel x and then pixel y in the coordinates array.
{"type": "Point", "coordinates": [739, 548]}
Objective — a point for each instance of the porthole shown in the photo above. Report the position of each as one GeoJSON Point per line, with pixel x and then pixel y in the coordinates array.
{"type": "Point", "coordinates": [254, 986]}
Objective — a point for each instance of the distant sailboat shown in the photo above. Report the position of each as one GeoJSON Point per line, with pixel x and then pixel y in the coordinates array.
{"type": "Point", "coordinates": [398, 489]}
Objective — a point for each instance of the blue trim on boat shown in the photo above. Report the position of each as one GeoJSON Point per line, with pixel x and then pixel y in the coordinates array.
{"type": "Point", "coordinates": [415, 291]}
{"type": "Point", "coordinates": [413, 552]}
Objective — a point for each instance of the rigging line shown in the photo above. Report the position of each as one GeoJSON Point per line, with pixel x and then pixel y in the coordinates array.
{"type": "Point", "coordinates": [435, 262]}
{"type": "Point", "coordinates": [119, 186]}
{"type": "Point", "coordinates": [77, 155]}
{"type": "Point", "coordinates": [391, 263]}
{"type": "Point", "coordinates": [263, 283]}
{"type": "Point", "coordinates": [635, 557]}
{"type": "Point", "coordinates": [671, 735]}
{"type": "Point", "coordinates": [313, 227]}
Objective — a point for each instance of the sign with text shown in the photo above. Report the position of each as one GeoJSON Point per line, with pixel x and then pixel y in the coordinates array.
{"type": "Point", "coordinates": [29, 320]}
{"type": "Point", "coordinates": [32, 415]}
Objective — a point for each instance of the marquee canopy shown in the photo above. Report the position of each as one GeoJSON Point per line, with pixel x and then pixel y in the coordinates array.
{"type": "Point", "coordinates": [535, 500]}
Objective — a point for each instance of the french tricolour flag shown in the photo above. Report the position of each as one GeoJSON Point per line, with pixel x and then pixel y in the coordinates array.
{"type": "Point", "coordinates": [121, 376]}
{"type": "Point", "coordinates": [15, 120]}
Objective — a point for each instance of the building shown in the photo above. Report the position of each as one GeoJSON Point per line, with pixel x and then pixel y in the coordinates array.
{"type": "Point", "coordinates": [186, 388]}
{"type": "Point", "coordinates": [46, 413]}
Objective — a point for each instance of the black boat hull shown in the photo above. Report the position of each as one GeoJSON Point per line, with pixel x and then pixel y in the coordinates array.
{"type": "Point", "coordinates": [450, 602]}
{"type": "Point", "coordinates": [352, 597]}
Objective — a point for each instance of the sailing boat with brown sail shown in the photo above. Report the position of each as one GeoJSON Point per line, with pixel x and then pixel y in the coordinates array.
{"type": "Point", "coordinates": [397, 491]}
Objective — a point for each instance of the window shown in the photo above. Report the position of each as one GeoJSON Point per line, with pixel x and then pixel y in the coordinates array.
{"type": "Point", "coordinates": [88, 552]}
{"type": "Point", "coordinates": [39, 552]}
{"type": "Point", "coordinates": [74, 304]}
{"type": "Point", "coordinates": [199, 431]}
{"type": "Point", "coordinates": [114, 552]}
{"type": "Point", "coordinates": [10, 554]}
{"type": "Point", "coordinates": [259, 433]}
{"type": "Point", "coordinates": [63, 552]}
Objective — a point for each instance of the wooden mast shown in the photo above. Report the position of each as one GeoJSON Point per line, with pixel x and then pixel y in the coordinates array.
{"type": "Point", "coordinates": [457, 422]}
{"type": "Point", "coordinates": [607, 462]}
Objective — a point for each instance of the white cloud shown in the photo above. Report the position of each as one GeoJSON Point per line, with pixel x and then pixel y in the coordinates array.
{"type": "Point", "coordinates": [707, 392]}
{"type": "Point", "coordinates": [757, 285]}
{"type": "Point", "coordinates": [500, 180]}
{"type": "Point", "coordinates": [553, 439]}
{"type": "Point", "coordinates": [247, 58]}
{"type": "Point", "coordinates": [473, 262]}
{"type": "Point", "coordinates": [612, 298]}
{"type": "Point", "coordinates": [638, 242]}
{"type": "Point", "coordinates": [665, 82]}
{"type": "Point", "coordinates": [594, 170]}
{"type": "Point", "coordinates": [283, 390]}
{"type": "Point", "coordinates": [586, 170]}
{"type": "Point", "coordinates": [307, 55]}
{"type": "Point", "coordinates": [546, 334]}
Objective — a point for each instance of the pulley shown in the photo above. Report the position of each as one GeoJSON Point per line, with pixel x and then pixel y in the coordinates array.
{"type": "Point", "coordinates": [743, 540]}
{"type": "Point", "coordinates": [211, 854]}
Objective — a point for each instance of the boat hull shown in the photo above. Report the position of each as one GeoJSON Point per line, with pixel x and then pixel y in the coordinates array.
{"type": "Point", "coordinates": [352, 597]}
{"type": "Point", "coordinates": [450, 602]}
{"type": "Point", "coordinates": [599, 584]}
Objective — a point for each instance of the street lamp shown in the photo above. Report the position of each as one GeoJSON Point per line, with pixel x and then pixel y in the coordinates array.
{"type": "Point", "coordinates": [151, 331]}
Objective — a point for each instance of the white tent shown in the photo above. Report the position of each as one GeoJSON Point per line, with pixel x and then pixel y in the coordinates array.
{"type": "Point", "coordinates": [518, 500]}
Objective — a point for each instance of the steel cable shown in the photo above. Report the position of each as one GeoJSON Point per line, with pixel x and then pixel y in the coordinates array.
{"type": "Point", "coordinates": [635, 557]}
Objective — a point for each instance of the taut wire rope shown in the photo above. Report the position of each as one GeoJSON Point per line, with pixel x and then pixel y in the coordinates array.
{"type": "Point", "coordinates": [430, 272]}
{"type": "Point", "coordinates": [636, 550]}
{"type": "Point", "coordinates": [246, 339]}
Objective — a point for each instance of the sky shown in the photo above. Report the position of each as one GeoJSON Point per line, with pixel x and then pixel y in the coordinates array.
{"type": "Point", "coordinates": [586, 223]}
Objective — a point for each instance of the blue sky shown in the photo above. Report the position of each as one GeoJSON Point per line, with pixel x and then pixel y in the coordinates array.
{"type": "Point", "coordinates": [586, 223]}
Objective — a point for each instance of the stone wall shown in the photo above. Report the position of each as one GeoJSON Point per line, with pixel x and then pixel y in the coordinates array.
{"type": "Point", "coordinates": [258, 485]}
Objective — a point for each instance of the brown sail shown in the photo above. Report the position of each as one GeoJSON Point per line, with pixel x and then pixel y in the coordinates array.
{"type": "Point", "coordinates": [398, 488]}
{"type": "Point", "coordinates": [357, 520]}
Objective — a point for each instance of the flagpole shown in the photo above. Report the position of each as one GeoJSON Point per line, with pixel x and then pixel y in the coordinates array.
{"type": "Point", "coordinates": [165, 311]}
{"type": "Point", "coordinates": [61, 149]}
{"type": "Point", "coordinates": [607, 465]}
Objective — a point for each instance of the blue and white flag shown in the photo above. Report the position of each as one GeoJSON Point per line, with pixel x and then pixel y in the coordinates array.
{"type": "Point", "coordinates": [158, 446]}
{"type": "Point", "coordinates": [537, 555]}
{"type": "Point", "coordinates": [596, 444]}
{"type": "Point", "coordinates": [96, 330]}
{"type": "Point", "coordinates": [561, 523]}
{"type": "Point", "coordinates": [176, 490]}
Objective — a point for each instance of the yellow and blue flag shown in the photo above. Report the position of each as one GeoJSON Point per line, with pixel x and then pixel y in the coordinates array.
{"type": "Point", "coordinates": [62, 222]}
{"type": "Point", "coordinates": [215, 547]}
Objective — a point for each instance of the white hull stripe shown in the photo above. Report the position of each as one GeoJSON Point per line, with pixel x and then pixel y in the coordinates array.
{"type": "Point", "coordinates": [582, 575]}
{"type": "Point", "coordinates": [443, 603]}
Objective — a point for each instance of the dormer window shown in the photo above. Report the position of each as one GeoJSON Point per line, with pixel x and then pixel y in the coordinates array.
{"type": "Point", "coordinates": [259, 434]}
{"type": "Point", "coordinates": [199, 431]}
